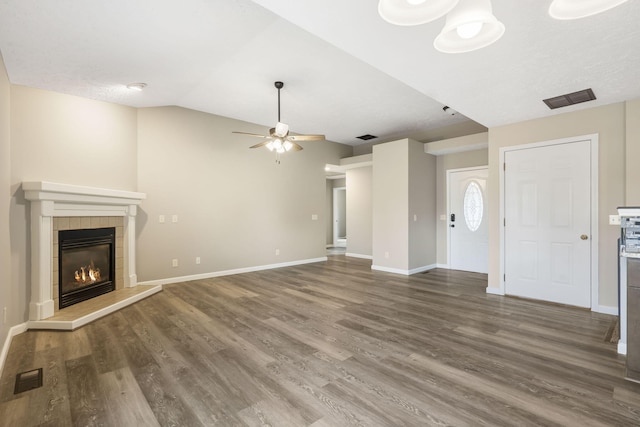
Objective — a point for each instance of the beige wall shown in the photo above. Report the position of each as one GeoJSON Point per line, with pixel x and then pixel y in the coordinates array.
{"type": "Point", "coordinates": [7, 296]}
{"type": "Point", "coordinates": [359, 211]}
{"type": "Point", "coordinates": [422, 207]}
{"type": "Point", "coordinates": [66, 139]}
{"type": "Point", "coordinates": [632, 120]}
{"type": "Point", "coordinates": [609, 123]}
{"type": "Point", "coordinates": [444, 163]}
{"type": "Point", "coordinates": [391, 205]}
{"type": "Point", "coordinates": [404, 188]}
{"type": "Point", "coordinates": [235, 206]}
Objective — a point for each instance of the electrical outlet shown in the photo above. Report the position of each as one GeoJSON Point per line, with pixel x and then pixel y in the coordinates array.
{"type": "Point", "coordinates": [314, 217]}
{"type": "Point", "coordinates": [277, 251]}
{"type": "Point", "coordinates": [614, 219]}
{"type": "Point", "coordinates": [197, 260]}
{"type": "Point", "coordinates": [415, 217]}
{"type": "Point", "coordinates": [161, 219]}
{"type": "Point", "coordinates": [174, 262]}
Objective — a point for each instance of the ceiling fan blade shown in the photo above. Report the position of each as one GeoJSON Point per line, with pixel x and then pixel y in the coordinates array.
{"type": "Point", "coordinates": [295, 147]}
{"type": "Point", "coordinates": [261, 144]}
{"type": "Point", "coordinates": [306, 137]}
{"type": "Point", "coordinates": [250, 134]}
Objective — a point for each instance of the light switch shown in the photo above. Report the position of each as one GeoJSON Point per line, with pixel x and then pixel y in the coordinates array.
{"type": "Point", "coordinates": [314, 217]}
{"type": "Point", "coordinates": [174, 218]}
{"type": "Point", "coordinates": [161, 219]}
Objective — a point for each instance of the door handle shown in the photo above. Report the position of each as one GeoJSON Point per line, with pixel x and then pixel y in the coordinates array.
{"type": "Point", "coordinates": [584, 237]}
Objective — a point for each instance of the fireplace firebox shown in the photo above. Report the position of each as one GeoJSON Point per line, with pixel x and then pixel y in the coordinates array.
{"type": "Point", "coordinates": [86, 264]}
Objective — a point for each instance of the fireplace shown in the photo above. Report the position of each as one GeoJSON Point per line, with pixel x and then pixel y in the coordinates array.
{"type": "Point", "coordinates": [56, 207]}
{"type": "Point", "coordinates": [86, 264]}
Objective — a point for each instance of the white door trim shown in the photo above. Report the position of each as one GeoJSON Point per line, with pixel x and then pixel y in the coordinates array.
{"type": "Point", "coordinates": [449, 172]}
{"type": "Point", "coordinates": [593, 138]}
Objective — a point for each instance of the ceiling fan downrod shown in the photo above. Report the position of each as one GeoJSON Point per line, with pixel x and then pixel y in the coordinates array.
{"type": "Point", "coordinates": [279, 85]}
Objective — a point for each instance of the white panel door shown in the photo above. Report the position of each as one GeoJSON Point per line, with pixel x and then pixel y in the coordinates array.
{"type": "Point", "coordinates": [548, 223]}
{"type": "Point", "coordinates": [469, 232]}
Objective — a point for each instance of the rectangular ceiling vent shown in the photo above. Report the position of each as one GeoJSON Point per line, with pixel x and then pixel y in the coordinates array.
{"type": "Point", "coordinates": [366, 137]}
{"type": "Point", "coordinates": [570, 99]}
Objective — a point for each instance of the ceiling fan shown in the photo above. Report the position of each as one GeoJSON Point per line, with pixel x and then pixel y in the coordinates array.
{"type": "Point", "coordinates": [279, 138]}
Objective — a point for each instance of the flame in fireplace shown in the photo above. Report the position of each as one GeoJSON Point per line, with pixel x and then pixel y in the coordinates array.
{"type": "Point", "coordinates": [88, 274]}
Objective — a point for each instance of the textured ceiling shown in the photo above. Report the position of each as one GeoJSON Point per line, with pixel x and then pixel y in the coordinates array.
{"type": "Point", "coordinates": [346, 71]}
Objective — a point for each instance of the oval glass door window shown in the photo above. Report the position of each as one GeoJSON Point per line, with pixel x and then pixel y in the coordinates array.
{"type": "Point", "coordinates": [473, 206]}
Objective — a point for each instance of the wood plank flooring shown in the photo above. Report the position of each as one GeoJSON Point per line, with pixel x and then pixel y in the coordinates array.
{"type": "Point", "coordinates": [326, 344]}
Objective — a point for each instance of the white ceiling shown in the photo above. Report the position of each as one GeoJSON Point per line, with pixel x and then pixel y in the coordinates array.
{"type": "Point", "coordinates": [346, 71]}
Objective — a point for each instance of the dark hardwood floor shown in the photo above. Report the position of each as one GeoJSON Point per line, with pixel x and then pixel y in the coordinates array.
{"type": "Point", "coordinates": [327, 344]}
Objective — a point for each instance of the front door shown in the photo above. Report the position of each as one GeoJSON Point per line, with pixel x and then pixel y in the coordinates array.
{"type": "Point", "coordinates": [548, 223]}
{"type": "Point", "coordinates": [468, 220]}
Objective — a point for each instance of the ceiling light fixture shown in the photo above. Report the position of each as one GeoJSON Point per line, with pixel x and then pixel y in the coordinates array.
{"type": "Point", "coordinates": [471, 25]}
{"type": "Point", "coordinates": [575, 9]}
{"type": "Point", "coordinates": [414, 12]}
{"type": "Point", "coordinates": [136, 86]}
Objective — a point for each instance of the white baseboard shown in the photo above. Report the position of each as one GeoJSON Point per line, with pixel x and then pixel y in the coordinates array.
{"type": "Point", "coordinates": [15, 330]}
{"type": "Point", "coordinates": [170, 280]}
{"type": "Point", "coordinates": [442, 266]}
{"type": "Point", "coordinates": [494, 291]}
{"type": "Point", "coordinates": [403, 272]}
{"type": "Point", "coordinates": [622, 348]}
{"type": "Point", "coordinates": [359, 255]}
{"type": "Point", "coordinates": [606, 310]}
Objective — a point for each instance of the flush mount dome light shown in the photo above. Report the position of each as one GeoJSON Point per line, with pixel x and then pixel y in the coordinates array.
{"type": "Point", "coordinates": [136, 86]}
{"type": "Point", "coordinates": [575, 9]}
{"type": "Point", "coordinates": [414, 12]}
{"type": "Point", "coordinates": [469, 26]}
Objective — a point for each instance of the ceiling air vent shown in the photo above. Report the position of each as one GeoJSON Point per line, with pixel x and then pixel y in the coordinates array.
{"type": "Point", "coordinates": [366, 137]}
{"type": "Point", "coordinates": [570, 99]}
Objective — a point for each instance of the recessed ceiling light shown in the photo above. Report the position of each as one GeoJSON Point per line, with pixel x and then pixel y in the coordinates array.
{"type": "Point", "coordinates": [136, 86]}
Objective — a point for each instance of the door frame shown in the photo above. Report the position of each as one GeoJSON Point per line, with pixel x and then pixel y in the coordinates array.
{"type": "Point", "coordinates": [449, 172]}
{"type": "Point", "coordinates": [593, 139]}
{"type": "Point", "coordinates": [336, 215]}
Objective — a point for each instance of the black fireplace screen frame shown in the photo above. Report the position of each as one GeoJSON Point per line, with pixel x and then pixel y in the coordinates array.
{"type": "Point", "coordinates": [86, 238]}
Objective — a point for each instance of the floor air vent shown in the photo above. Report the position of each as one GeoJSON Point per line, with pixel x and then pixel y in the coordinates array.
{"type": "Point", "coordinates": [28, 380]}
{"type": "Point", "coordinates": [570, 99]}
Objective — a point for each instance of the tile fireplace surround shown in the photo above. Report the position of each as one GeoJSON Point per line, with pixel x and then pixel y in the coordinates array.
{"type": "Point", "coordinates": [83, 205]}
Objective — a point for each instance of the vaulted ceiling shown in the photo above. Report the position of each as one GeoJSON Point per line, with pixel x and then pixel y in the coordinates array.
{"type": "Point", "coordinates": [347, 72]}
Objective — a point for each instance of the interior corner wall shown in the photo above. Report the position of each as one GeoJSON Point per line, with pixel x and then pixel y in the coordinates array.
{"type": "Point", "coordinates": [66, 139]}
{"type": "Point", "coordinates": [7, 298]}
{"type": "Point", "coordinates": [444, 163]}
{"type": "Point", "coordinates": [359, 211]}
{"type": "Point", "coordinates": [422, 207]}
{"type": "Point", "coordinates": [235, 206]}
{"type": "Point", "coordinates": [391, 205]}
{"type": "Point", "coordinates": [609, 123]}
{"type": "Point", "coordinates": [632, 122]}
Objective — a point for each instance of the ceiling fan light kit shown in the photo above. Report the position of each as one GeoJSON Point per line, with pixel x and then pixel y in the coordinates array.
{"type": "Point", "coordinates": [470, 24]}
{"type": "Point", "coordinates": [414, 12]}
{"type": "Point", "coordinates": [575, 9]}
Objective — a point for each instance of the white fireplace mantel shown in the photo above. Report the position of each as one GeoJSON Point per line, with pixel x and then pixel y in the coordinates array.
{"type": "Point", "coordinates": [48, 200]}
